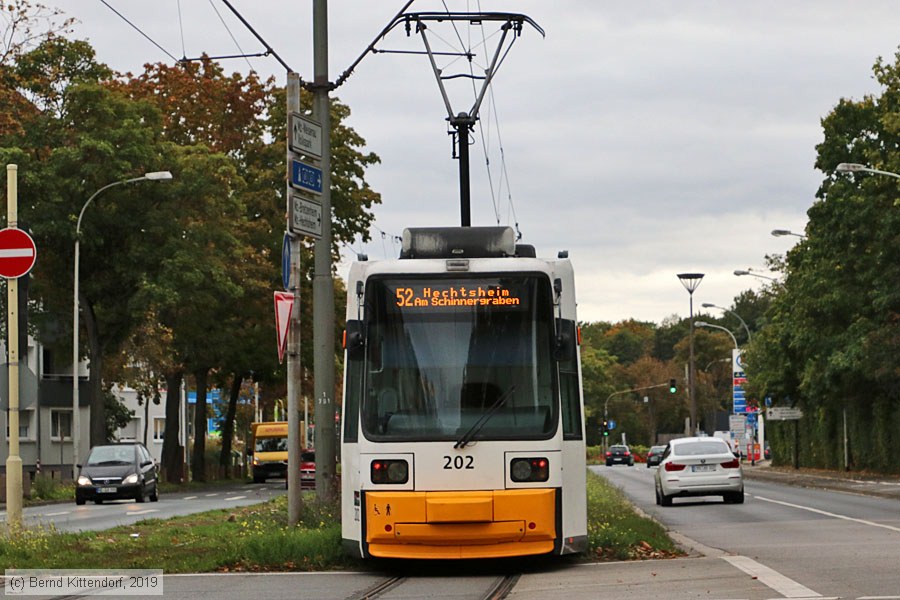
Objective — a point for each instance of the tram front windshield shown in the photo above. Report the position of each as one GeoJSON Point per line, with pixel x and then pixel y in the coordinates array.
{"type": "Point", "coordinates": [448, 359]}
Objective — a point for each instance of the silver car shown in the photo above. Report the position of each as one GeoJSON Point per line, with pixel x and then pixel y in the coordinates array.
{"type": "Point", "coordinates": [699, 466]}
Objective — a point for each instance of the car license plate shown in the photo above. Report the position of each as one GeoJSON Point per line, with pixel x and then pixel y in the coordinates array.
{"type": "Point", "coordinates": [703, 468]}
{"type": "Point", "coordinates": [106, 490]}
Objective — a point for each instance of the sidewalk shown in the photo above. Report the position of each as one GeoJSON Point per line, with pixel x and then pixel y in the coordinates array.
{"type": "Point", "coordinates": [885, 486]}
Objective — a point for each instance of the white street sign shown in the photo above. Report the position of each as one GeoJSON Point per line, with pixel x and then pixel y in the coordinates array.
{"type": "Point", "coordinates": [306, 136]}
{"type": "Point", "coordinates": [783, 413]}
{"type": "Point", "coordinates": [737, 424]}
{"type": "Point", "coordinates": [305, 217]}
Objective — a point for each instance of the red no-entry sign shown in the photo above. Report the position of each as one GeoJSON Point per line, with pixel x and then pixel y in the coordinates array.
{"type": "Point", "coordinates": [17, 253]}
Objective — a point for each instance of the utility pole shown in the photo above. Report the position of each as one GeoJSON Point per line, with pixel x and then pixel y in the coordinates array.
{"type": "Point", "coordinates": [293, 341]}
{"type": "Point", "coordinates": [323, 284]}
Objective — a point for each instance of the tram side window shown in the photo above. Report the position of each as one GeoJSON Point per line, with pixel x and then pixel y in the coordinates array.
{"type": "Point", "coordinates": [570, 399]}
{"type": "Point", "coordinates": [355, 367]}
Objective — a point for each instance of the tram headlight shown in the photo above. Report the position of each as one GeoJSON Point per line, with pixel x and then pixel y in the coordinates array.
{"type": "Point", "coordinates": [529, 469]}
{"type": "Point", "coordinates": [390, 471]}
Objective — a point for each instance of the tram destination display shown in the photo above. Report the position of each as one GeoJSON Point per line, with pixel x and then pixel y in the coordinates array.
{"type": "Point", "coordinates": [437, 295]}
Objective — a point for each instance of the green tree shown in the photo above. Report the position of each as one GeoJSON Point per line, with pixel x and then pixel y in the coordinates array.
{"type": "Point", "coordinates": [833, 331]}
{"type": "Point", "coordinates": [79, 137]}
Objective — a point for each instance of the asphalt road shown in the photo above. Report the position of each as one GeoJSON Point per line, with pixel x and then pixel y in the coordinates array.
{"type": "Point", "coordinates": [94, 517]}
{"type": "Point", "coordinates": [811, 541]}
{"type": "Point", "coordinates": [785, 541]}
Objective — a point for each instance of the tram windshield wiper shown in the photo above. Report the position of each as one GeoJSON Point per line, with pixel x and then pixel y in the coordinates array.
{"type": "Point", "coordinates": [479, 424]}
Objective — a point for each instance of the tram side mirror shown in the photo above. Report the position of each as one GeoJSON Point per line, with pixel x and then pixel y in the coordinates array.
{"type": "Point", "coordinates": [565, 340]}
{"type": "Point", "coordinates": [354, 342]}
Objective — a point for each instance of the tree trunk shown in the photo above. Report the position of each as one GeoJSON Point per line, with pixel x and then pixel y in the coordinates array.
{"type": "Point", "coordinates": [97, 419]}
{"type": "Point", "coordinates": [172, 451]}
{"type": "Point", "coordinates": [198, 460]}
{"type": "Point", "coordinates": [228, 426]}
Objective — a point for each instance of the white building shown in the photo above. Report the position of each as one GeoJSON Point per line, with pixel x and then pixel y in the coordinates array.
{"type": "Point", "coordinates": [45, 414]}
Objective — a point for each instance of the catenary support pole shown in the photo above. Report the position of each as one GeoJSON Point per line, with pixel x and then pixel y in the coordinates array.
{"type": "Point", "coordinates": [323, 284]}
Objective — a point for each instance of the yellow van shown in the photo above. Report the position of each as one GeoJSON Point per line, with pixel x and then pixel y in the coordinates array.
{"type": "Point", "coordinates": [269, 450]}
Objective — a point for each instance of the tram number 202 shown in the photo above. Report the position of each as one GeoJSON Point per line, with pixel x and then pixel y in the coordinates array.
{"type": "Point", "coordinates": [459, 462]}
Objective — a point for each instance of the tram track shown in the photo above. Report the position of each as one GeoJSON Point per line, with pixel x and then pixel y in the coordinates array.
{"type": "Point", "coordinates": [476, 588]}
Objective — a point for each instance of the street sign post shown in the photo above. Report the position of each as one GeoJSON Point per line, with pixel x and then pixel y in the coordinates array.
{"type": "Point", "coordinates": [17, 253]}
{"type": "Point", "coordinates": [306, 136]}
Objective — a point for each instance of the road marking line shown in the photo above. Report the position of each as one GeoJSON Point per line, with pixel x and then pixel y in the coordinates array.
{"type": "Point", "coordinates": [141, 512]}
{"type": "Point", "coordinates": [56, 514]}
{"type": "Point", "coordinates": [830, 514]}
{"type": "Point", "coordinates": [878, 598]}
{"type": "Point", "coordinates": [235, 498]}
{"type": "Point", "coordinates": [191, 498]}
{"type": "Point", "coordinates": [211, 495]}
{"type": "Point", "coordinates": [783, 585]}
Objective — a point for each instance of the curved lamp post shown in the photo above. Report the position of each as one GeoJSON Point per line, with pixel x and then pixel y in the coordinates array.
{"type": "Point", "coordinates": [737, 316]}
{"type": "Point", "coordinates": [691, 281]}
{"type": "Point", "coordinates": [714, 326]}
{"type": "Point", "coordinates": [783, 232]}
{"type": "Point", "coordinates": [856, 168]}
{"type": "Point", "coordinates": [740, 272]}
{"type": "Point", "coordinates": [76, 425]}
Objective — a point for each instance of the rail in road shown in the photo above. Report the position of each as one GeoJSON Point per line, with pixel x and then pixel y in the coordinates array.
{"type": "Point", "coordinates": [464, 587]}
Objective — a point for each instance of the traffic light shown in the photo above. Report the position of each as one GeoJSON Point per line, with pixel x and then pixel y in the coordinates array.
{"type": "Point", "coordinates": [605, 428]}
{"type": "Point", "coordinates": [673, 387]}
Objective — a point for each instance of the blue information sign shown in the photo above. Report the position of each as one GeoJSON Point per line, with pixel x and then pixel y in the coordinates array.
{"type": "Point", "coordinates": [306, 177]}
{"type": "Point", "coordinates": [611, 425]}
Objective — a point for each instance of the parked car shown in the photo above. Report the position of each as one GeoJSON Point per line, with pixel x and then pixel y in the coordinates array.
{"type": "Point", "coordinates": [699, 466]}
{"type": "Point", "coordinates": [115, 471]}
{"type": "Point", "coordinates": [307, 469]}
{"type": "Point", "coordinates": [619, 455]}
{"type": "Point", "coordinates": [655, 455]}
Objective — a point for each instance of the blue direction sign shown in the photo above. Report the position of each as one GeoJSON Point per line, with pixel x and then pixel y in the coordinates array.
{"type": "Point", "coordinates": [286, 262]}
{"type": "Point", "coordinates": [611, 425]}
{"type": "Point", "coordinates": [306, 177]}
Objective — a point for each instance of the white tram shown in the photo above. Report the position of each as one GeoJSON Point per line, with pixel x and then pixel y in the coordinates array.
{"type": "Point", "coordinates": [463, 426]}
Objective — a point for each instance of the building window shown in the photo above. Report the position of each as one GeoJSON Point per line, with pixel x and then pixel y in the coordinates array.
{"type": "Point", "coordinates": [60, 425]}
{"type": "Point", "coordinates": [26, 424]}
{"type": "Point", "coordinates": [159, 429]}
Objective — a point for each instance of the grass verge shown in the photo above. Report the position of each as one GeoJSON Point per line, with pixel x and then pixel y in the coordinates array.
{"type": "Point", "coordinates": [258, 538]}
{"type": "Point", "coordinates": [617, 532]}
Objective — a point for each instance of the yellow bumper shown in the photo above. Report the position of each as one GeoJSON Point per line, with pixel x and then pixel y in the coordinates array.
{"type": "Point", "coordinates": [442, 525]}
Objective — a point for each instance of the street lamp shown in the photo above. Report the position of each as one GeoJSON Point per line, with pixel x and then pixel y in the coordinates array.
{"type": "Point", "coordinates": [783, 232]}
{"type": "Point", "coordinates": [691, 281]}
{"type": "Point", "coordinates": [76, 425]}
{"type": "Point", "coordinates": [740, 272]}
{"type": "Point", "coordinates": [714, 326]}
{"type": "Point", "coordinates": [856, 168]}
{"type": "Point", "coordinates": [737, 316]}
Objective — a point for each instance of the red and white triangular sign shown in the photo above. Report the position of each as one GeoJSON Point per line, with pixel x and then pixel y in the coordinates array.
{"type": "Point", "coordinates": [284, 303]}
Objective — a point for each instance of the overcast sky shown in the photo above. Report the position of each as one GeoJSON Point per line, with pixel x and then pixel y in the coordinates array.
{"type": "Point", "coordinates": [646, 138]}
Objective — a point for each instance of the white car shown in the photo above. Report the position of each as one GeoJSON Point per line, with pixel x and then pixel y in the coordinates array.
{"type": "Point", "coordinates": [699, 466]}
